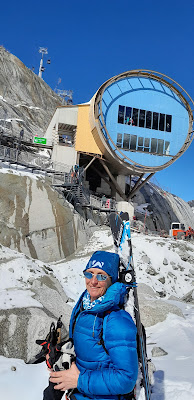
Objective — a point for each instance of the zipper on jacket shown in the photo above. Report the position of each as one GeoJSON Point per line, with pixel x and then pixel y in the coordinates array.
{"type": "Point", "coordinates": [94, 325]}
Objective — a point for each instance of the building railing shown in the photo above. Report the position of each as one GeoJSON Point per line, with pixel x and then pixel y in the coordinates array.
{"type": "Point", "coordinates": [31, 160]}
{"type": "Point", "coordinates": [7, 133]}
{"type": "Point", "coordinates": [104, 203]}
{"type": "Point", "coordinates": [62, 175]}
{"type": "Point", "coordinates": [78, 190]}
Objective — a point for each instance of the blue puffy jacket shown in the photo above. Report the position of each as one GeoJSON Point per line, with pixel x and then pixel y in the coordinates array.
{"type": "Point", "coordinates": [110, 368]}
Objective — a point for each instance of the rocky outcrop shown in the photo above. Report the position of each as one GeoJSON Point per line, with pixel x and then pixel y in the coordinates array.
{"type": "Point", "coordinates": [35, 299]}
{"type": "Point", "coordinates": [25, 99]}
{"type": "Point", "coordinates": [36, 222]}
{"type": "Point", "coordinates": [158, 352]}
{"type": "Point", "coordinates": [158, 208]}
{"type": "Point", "coordinates": [152, 308]}
{"type": "Point", "coordinates": [191, 203]}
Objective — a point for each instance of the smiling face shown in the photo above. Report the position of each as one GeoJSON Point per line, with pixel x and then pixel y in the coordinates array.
{"type": "Point", "coordinates": [97, 288]}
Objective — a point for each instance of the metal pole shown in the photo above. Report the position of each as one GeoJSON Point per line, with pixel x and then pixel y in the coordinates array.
{"type": "Point", "coordinates": [40, 68]}
{"type": "Point", "coordinates": [42, 50]}
{"type": "Point", "coordinates": [117, 187]}
{"type": "Point", "coordinates": [91, 161]}
{"type": "Point", "coordinates": [134, 190]}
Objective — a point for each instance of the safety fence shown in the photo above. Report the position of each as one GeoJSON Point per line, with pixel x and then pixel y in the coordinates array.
{"type": "Point", "coordinates": [31, 160]}
{"type": "Point", "coordinates": [62, 176]}
{"type": "Point", "coordinates": [73, 184]}
{"type": "Point", "coordinates": [105, 203]}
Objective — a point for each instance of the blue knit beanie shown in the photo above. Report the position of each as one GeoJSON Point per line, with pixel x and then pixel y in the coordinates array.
{"type": "Point", "coordinates": [108, 262]}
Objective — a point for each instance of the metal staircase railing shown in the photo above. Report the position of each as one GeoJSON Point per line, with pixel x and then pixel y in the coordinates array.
{"type": "Point", "coordinates": [62, 176]}
{"type": "Point", "coordinates": [31, 160]}
{"type": "Point", "coordinates": [76, 191]}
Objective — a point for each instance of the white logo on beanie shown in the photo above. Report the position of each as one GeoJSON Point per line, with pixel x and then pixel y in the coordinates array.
{"type": "Point", "coordinates": [95, 264]}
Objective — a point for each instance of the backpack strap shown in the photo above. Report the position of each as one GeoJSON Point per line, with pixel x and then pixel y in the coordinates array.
{"type": "Point", "coordinates": [102, 333]}
{"type": "Point", "coordinates": [127, 396]}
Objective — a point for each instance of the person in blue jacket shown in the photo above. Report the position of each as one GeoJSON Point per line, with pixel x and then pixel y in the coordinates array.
{"type": "Point", "coordinates": [104, 336]}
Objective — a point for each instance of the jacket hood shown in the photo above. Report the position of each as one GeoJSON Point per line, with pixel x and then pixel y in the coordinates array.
{"type": "Point", "coordinates": [113, 298]}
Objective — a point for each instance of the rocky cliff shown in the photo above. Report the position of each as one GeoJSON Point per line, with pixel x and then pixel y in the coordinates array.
{"type": "Point", "coordinates": [25, 99]}
{"type": "Point", "coordinates": [159, 208]}
{"type": "Point", "coordinates": [191, 203]}
{"type": "Point", "coordinates": [35, 221]}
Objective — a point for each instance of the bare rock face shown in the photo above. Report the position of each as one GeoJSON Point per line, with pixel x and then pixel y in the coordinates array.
{"type": "Point", "coordinates": [152, 308]}
{"type": "Point", "coordinates": [34, 221]}
{"type": "Point", "coordinates": [27, 311]}
{"type": "Point", "coordinates": [158, 208]}
{"type": "Point", "coordinates": [189, 297]}
{"type": "Point", "coordinates": [26, 100]}
{"type": "Point", "coordinates": [36, 226]}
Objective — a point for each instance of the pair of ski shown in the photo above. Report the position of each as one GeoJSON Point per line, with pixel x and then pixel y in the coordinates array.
{"type": "Point", "coordinates": [120, 227]}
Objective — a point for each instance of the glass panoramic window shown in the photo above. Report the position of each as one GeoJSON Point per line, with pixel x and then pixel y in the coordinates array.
{"type": "Point", "coordinates": [128, 113]}
{"type": "Point", "coordinates": [135, 116]}
{"type": "Point", "coordinates": [144, 119]}
{"type": "Point", "coordinates": [168, 123]}
{"type": "Point", "coordinates": [126, 141]}
{"type": "Point", "coordinates": [140, 144]}
{"type": "Point", "coordinates": [141, 118]}
{"type": "Point", "coordinates": [119, 139]}
{"type": "Point", "coordinates": [121, 115]}
{"type": "Point", "coordinates": [148, 119]}
{"type": "Point", "coordinates": [167, 148]}
{"type": "Point", "coordinates": [133, 142]}
{"type": "Point", "coordinates": [160, 146]}
{"type": "Point", "coordinates": [155, 121]}
{"type": "Point", "coordinates": [147, 145]}
{"type": "Point", "coordinates": [161, 122]}
{"type": "Point", "coordinates": [153, 145]}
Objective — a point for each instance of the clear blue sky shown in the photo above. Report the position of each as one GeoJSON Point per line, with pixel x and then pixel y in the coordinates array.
{"type": "Point", "coordinates": [91, 41]}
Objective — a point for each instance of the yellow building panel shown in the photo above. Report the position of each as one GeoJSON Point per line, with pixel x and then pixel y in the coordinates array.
{"type": "Point", "coordinates": [84, 139]}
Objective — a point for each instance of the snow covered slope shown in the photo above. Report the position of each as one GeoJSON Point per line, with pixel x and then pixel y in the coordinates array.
{"type": "Point", "coordinates": [164, 268]}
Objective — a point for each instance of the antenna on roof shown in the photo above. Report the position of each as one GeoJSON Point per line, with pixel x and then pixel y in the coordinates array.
{"type": "Point", "coordinates": [42, 50]}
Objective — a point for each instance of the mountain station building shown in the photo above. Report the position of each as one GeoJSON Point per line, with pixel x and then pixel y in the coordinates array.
{"type": "Point", "coordinates": [137, 123]}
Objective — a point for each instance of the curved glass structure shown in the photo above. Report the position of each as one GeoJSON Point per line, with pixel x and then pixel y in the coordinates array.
{"type": "Point", "coordinates": [144, 119]}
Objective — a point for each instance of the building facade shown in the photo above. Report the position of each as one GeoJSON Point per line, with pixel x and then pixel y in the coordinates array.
{"type": "Point", "coordinates": [138, 122]}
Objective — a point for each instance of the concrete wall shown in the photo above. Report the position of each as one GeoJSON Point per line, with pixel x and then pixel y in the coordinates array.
{"type": "Point", "coordinates": [64, 154]}
{"type": "Point", "coordinates": [124, 206]}
{"type": "Point", "coordinates": [84, 141]}
{"type": "Point", "coordinates": [104, 188]}
{"type": "Point", "coordinates": [121, 182]}
{"type": "Point", "coordinates": [65, 115]}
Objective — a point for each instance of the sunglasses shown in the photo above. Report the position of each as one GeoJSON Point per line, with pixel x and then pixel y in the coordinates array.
{"type": "Point", "coordinates": [99, 277]}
